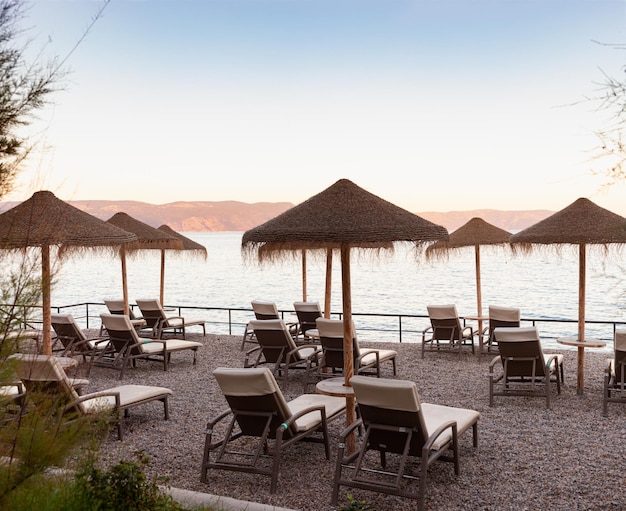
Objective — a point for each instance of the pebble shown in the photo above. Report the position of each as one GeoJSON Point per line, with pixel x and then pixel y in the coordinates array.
{"type": "Point", "coordinates": [566, 458]}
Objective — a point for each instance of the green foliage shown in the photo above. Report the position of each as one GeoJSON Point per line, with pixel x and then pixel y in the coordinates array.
{"type": "Point", "coordinates": [123, 486]}
{"type": "Point", "coordinates": [355, 505]}
{"type": "Point", "coordinates": [24, 88]}
{"type": "Point", "coordinates": [41, 492]}
{"type": "Point", "coordinates": [611, 151]}
{"type": "Point", "coordinates": [34, 430]}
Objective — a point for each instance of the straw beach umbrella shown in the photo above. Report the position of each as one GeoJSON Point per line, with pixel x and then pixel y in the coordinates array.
{"type": "Point", "coordinates": [581, 223]}
{"type": "Point", "coordinates": [44, 221]}
{"type": "Point", "coordinates": [188, 245]}
{"type": "Point", "coordinates": [474, 233]}
{"type": "Point", "coordinates": [342, 217]}
{"type": "Point", "coordinates": [147, 238]}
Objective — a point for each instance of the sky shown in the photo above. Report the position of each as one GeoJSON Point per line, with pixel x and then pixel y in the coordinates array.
{"type": "Point", "coordinates": [434, 105]}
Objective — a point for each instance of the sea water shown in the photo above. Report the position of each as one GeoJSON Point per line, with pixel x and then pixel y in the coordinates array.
{"type": "Point", "coordinates": [543, 284]}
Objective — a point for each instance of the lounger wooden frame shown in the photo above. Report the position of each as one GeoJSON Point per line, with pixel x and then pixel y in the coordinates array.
{"type": "Point", "coordinates": [526, 370]}
{"type": "Point", "coordinates": [397, 424]}
{"type": "Point", "coordinates": [264, 310]}
{"type": "Point", "coordinates": [277, 348]}
{"type": "Point", "coordinates": [307, 313]}
{"type": "Point", "coordinates": [156, 318]}
{"type": "Point", "coordinates": [75, 342]}
{"type": "Point", "coordinates": [445, 332]}
{"type": "Point", "coordinates": [258, 410]}
{"type": "Point", "coordinates": [499, 317]}
{"type": "Point", "coordinates": [366, 360]}
{"type": "Point", "coordinates": [43, 378]}
{"type": "Point", "coordinates": [614, 389]}
{"type": "Point", "coordinates": [129, 347]}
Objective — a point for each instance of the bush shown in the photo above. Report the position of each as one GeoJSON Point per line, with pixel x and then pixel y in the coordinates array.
{"type": "Point", "coordinates": [123, 486]}
{"type": "Point", "coordinates": [355, 505]}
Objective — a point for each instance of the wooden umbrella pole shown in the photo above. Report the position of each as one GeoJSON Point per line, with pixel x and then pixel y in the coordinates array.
{"type": "Point", "coordinates": [582, 264]}
{"type": "Point", "coordinates": [329, 282]}
{"type": "Point", "coordinates": [46, 301]}
{"type": "Point", "coordinates": [124, 281]}
{"type": "Point", "coordinates": [479, 299]}
{"type": "Point", "coordinates": [479, 293]}
{"type": "Point", "coordinates": [348, 335]}
{"type": "Point", "coordinates": [162, 276]}
{"type": "Point", "coordinates": [304, 275]}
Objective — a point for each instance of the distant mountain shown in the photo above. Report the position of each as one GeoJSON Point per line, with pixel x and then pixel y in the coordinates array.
{"type": "Point", "coordinates": [511, 221]}
{"type": "Point", "coordinates": [241, 216]}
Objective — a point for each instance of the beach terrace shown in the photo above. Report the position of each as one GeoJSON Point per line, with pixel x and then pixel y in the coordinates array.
{"type": "Point", "coordinates": [529, 457]}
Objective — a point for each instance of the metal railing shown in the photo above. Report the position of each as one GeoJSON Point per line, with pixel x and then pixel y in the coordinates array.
{"type": "Point", "coordinates": [388, 327]}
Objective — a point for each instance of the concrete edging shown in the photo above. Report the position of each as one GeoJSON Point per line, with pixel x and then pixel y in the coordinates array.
{"type": "Point", "coordinates": [195, 498]}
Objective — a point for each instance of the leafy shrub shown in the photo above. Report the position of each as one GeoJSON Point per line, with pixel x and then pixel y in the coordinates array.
{"type": "Point", "coordinates": [355, 505]}
{"type": "Point", "coordinates": [123, 486]}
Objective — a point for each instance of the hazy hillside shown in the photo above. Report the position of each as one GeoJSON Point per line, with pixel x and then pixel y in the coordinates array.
{"type": "Point", "coordinates": [241, 216]}
{"type": "Point", "coordinates": [186, 216]}
{"type": "Point", "coordinates": [508, 220]}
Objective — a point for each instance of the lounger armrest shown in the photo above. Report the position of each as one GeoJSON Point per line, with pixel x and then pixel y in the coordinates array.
{"type": "Point", "coordinates": [468, 331]}
{"type": "Point", "coordinates": [294, 417]}
{"type": "Point", "coordinates": [493, 362]}
{"type": "Point", "coordinates": [376, 353]}
{"type": "Point", "coordinates": [426, 330]}
{"type": "Point", "coordinates": [212, 422]}
{"type": "Point", "coordinates": [349, 429]}
{"type": "Point", "coordinates": [303, 346]}
{"type": "Point", "coordinates": [253, 350]}
{"type": "Point", "coordinates": [451, 424]}
{"type": "Point", "coordinates": [85, 341]}
{"type": "Point", "coordinates": [249, 353]}
{"type": "Point", "coordinates": [550, 359]}
{"type": "Point", "coordinates": [93, 395]}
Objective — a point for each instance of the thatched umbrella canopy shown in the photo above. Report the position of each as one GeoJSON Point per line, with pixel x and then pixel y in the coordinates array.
{"type": "Point", "coordinates": [148, 238]}
{"type": "Point", "coordinates": [342, 217]}
{"type": "Point", "coordinates": [474, 233]}
{"type": "Point", "coordinates": [44, 221]}
{"type": "Point", "coordinates": [188, 245]}
{"type": "Point", "coordinates": [581, 223]}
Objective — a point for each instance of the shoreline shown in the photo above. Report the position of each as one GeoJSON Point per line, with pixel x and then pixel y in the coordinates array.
{"type": "Point", "coordinates": [569, 457]}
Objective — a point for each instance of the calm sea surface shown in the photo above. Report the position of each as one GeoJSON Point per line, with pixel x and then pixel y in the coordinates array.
{"type": "Point", "coordinates": [543, 284]}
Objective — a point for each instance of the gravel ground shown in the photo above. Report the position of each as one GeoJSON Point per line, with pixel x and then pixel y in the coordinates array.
{"type": "Point", "coordinates": [567, 458]}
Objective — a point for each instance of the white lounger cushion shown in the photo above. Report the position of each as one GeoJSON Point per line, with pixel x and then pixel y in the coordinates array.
{"type": "Point", "coordinates": [332, 406]}
{"type": "Point", "coordinates": [369, 355]}
{"type": "Point", "coordinates": [261, 382]}
{"type": "Point", "coordinates": [155, 347]}
{"type": "Point", "coordinates": [436, 415]}
{"type": "Point", "coordinates": [510, 314]}
{"type": "Point", "coordinates": [130, 395]}
{"type": "Point", "coordinates": [447, 311]}
{"type": "Point", "coordinates": [402, 395]}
